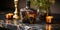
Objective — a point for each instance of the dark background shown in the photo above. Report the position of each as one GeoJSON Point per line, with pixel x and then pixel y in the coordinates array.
{"type": "Point", "coordinates": [6, 5]}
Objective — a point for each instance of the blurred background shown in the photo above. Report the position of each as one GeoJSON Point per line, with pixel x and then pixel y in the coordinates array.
{"type": "Point", "coordinates": [7, 6]}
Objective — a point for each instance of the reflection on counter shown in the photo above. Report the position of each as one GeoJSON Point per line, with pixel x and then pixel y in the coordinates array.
{"type": "Point", "coordinates": [48, 27]}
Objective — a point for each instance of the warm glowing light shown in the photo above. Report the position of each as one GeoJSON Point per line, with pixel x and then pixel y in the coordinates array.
{"type": "Point", "coordinates": [15, 0]}
{"type": "Point", "coordinates": [9, 15]}
{"type": "Point", "coordinates": [49, 18]}
{"type": "Point", "coordinates": [48, 27]}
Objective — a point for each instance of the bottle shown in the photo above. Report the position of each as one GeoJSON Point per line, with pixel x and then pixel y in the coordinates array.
{"type": "Point", "coordinates": [27, 4]}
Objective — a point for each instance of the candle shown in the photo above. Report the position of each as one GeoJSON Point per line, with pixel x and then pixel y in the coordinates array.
{"type": "Point", "coordinates": [9, 15]}
{"type": "Point", "coordinates": [49, 18]}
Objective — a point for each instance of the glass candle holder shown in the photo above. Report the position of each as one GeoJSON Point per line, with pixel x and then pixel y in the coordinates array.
{"type": "Point", "coordinates": [9, 15]}
{"type": "Point", "coordinates": [49, 19]}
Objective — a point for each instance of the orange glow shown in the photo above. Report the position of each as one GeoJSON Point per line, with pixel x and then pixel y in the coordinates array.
{"type": "Point", "coordinates": [9, 15]}
{"type": "Point", "coordinates": [48, 19]}
{"type": "Point", "coordinates": [48, 27]}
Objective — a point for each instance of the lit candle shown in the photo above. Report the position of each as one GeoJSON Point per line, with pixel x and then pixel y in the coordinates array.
{"type": "Point", "coordinates": [9, 15]}
{"type": "Point", "coordinates": [48, 19]}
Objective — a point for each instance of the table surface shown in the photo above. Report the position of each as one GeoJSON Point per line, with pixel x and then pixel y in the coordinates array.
{"type": "Point", "coordinates": [34, 26]}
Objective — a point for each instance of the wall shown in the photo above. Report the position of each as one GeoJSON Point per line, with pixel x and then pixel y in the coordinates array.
{"type": "Point", "coordinates": [55, 9]}
{"type": "Point", "coordinates": [22, 4]}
